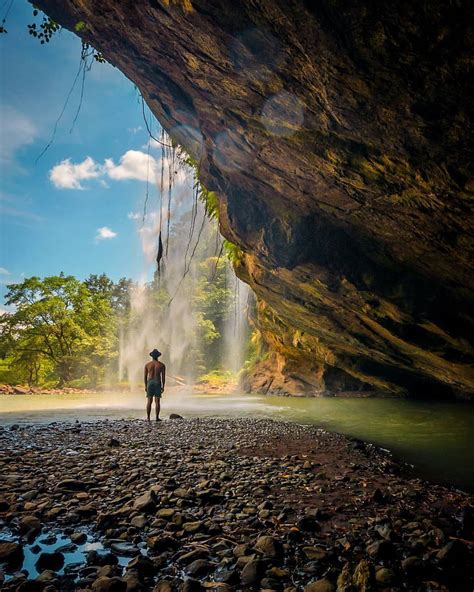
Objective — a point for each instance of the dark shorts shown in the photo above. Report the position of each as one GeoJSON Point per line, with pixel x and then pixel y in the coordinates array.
{"type": "Point", "coordinates": [153, 388]}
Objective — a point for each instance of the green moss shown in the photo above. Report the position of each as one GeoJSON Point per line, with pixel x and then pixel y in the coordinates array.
{"type": "Point", "coordinates": [412, 198]}
{"type": "Point", "coordinates": [210, 201]}
{"type": "Point", "coordinates": [233, 253]}
{"type": "Point", "coordinates": [216, 378]}
{"type": "Point", "coordinates": [208, 198]}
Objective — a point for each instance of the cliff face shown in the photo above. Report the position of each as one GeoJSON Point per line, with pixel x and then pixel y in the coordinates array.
{"type": "Point", "coordinates": [337, 137]}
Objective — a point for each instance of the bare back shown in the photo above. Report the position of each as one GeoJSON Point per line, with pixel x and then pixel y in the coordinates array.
{"type": "Point", "coordinates": [154, 369]}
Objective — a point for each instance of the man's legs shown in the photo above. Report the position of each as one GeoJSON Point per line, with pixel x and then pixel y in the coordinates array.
{"type": "Point", "coordinates": [157, 406]}
{"type": "Point", "coordinates": [149, 401]}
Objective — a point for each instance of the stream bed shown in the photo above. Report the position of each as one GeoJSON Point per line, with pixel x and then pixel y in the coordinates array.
{"type": "Point", "coordinates": [435, 437]}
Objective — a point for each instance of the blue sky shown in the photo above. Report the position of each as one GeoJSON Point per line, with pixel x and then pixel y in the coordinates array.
{"type": "Point", "coordinates": [70, 211]}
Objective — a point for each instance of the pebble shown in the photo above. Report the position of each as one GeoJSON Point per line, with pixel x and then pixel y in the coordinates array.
{"type": "Point", "coordinates": [215, 504]}
{"type": "Point", "coordinates": [53, 561]}
{"type": "Point", "coordinates": [323, 585]}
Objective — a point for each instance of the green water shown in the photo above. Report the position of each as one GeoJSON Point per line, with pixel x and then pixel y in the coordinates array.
{"type": "Point", "coordinates": [435, 437]}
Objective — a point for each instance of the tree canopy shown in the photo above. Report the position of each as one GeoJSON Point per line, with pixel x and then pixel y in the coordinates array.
{"type": "Point", "coordinates": [61, 328]}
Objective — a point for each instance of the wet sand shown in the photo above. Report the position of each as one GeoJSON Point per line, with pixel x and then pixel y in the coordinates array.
{"type": "Point", "coordinates": [222, 504]}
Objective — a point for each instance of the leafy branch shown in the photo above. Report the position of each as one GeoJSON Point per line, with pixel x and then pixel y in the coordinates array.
{"type": "Point", "coordinates": [45, 30]}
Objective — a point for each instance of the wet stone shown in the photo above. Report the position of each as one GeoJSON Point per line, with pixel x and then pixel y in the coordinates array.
{"type": "Point", "coordinates": [363, 576]}
{"type": "Point", "coordinates": [146, 502]}
{"type": "Point", "coordinates": [53, 561]}
{"type": "Point", "coordinates": [454, 552]}
{"type": "Point", "coordinates": [142, 565]}
{"type": "Point", "coordinates": [191, 527]}
{"type": "Point", "coordinates": [199, 567]}
{"type": "Point", "coordinates": [385, 576]}
{"type": "Point", "coordinates": [315, 552]}
{"type": "Point", "coordinates": [79, 538]}
{"type": "Point", "coordinates": [11, 553]}
{"type": "Point", "coordinates": [166, 513]}
{"type": "Point", "coordinates": [133, 582]}
{"type": "Point", "coordinates": [163, 586]}
{"type": "Point", "coordinates": [309, 523]}
{"type": "Point", "coordinates": [139, 521]}
{"type": "Point", "coordinates": [269, 546]}
{"type": "Point", "coordinates": [106, 584]}
{"type": "Point", "coordinates": [323, 585]}
{"type": "Point", "coordinates": [380, 549]}
{"type": "Point", "coordinates": [227, 504]}
{"type": "Point", "coordinates": [30, 524]}
{"type": "Point", "coordinates": [46, 576]}
{"type": "Point", "coordinates": [412, 565]}
{"type": "Point", "coordinates": [73, 485]}
{"type": "Point", "coordinates": [251, 573]}
{"type": "Point", "coordinates": [190, 585]}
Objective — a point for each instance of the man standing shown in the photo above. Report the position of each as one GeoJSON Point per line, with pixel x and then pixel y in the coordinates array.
{"type": "Point", "coordinates": [155, 375]}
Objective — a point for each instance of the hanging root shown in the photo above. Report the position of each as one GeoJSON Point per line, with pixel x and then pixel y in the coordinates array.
{"type": "Point", "coordinates": [187, 269]}
{"type": "Point", "coordinates": [85, 54]}
{"type": "Point", "coordinates": [53, 135]}
{"type": "Point", "coordinates": [147, 183]}
{"type": "Point", "coordinates": [148, 127]}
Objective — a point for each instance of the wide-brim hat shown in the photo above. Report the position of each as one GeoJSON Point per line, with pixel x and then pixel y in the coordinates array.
{"type": "Point", "coordinates": [155, 353]}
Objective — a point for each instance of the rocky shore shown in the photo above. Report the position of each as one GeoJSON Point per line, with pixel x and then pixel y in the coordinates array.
{"type": "Point", "coordinates": [23, 389]}
{"type": "Point", "coordinates": [221, 505]}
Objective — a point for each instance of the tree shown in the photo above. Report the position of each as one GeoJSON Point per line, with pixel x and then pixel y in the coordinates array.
{"type": "Point", "coordinates": [60, 320]}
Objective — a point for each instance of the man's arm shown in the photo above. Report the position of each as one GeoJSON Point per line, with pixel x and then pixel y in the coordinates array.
{"type": "Point", "coordinates": [163, 378]}
{"type": "Point", "coordinates": [146, 377]}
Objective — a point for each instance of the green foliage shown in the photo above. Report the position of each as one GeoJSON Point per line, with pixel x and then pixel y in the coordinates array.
{"type": "Point", "coordinates": [208, 198]}
{"type": "Point", "coordinates": [66, 331]}
{"type": "Point", "coordinates": [210, 201]}
{"type": "Point", "coordinates": [8, 373]}
{"type": "Point", "coordinates": [233, 252]}
{"type": "Point", "coordinates": [256, 351]}
{"type": "Point", "coordinates": [44, 30]}
{"type": "Point", "coordinates": [211, 204]}
{"type": "Point", "coordinates": [47, 28]}
{"type": "Point", "coordinates": [216, 378]}
{"type": "Point", "coordinates": [61, 328]}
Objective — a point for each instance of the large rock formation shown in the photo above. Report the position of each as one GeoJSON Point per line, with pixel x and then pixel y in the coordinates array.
{"type": "Point", "coordinates": [337, 137]}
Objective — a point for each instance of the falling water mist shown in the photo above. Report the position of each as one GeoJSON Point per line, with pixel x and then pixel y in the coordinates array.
{"type": "Point", "coordinates": [236, 327]}
{"type": "Point", "coordinates": [165, 306]}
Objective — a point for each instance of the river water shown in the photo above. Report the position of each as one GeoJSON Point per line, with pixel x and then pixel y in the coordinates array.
{"type": "Point", "coordinates": [437, 438]}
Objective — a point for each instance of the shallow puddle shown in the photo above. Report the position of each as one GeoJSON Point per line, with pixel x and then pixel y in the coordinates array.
{"type": "Point", "coordinates": [74, 555]}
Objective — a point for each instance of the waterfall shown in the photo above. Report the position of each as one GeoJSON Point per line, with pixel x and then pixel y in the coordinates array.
{"type": "Point", "coordinates": [167, 309]}
{"type": "Point", "coordinates": [236, 327]}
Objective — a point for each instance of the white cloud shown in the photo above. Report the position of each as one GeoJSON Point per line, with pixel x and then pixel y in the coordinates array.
{"type": "Point", "coordinates": [104, 233]}
{"type": "Point", "coordinates": [4, 271]}
{"type": "Point", "coordinates": [16, 130]}
{"type": "Point", "coordinates": [133, 216]}
{"type": "Point", "coordinates": [134, 164]}
{"type": "Point", "coordinates": [67, 175]}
